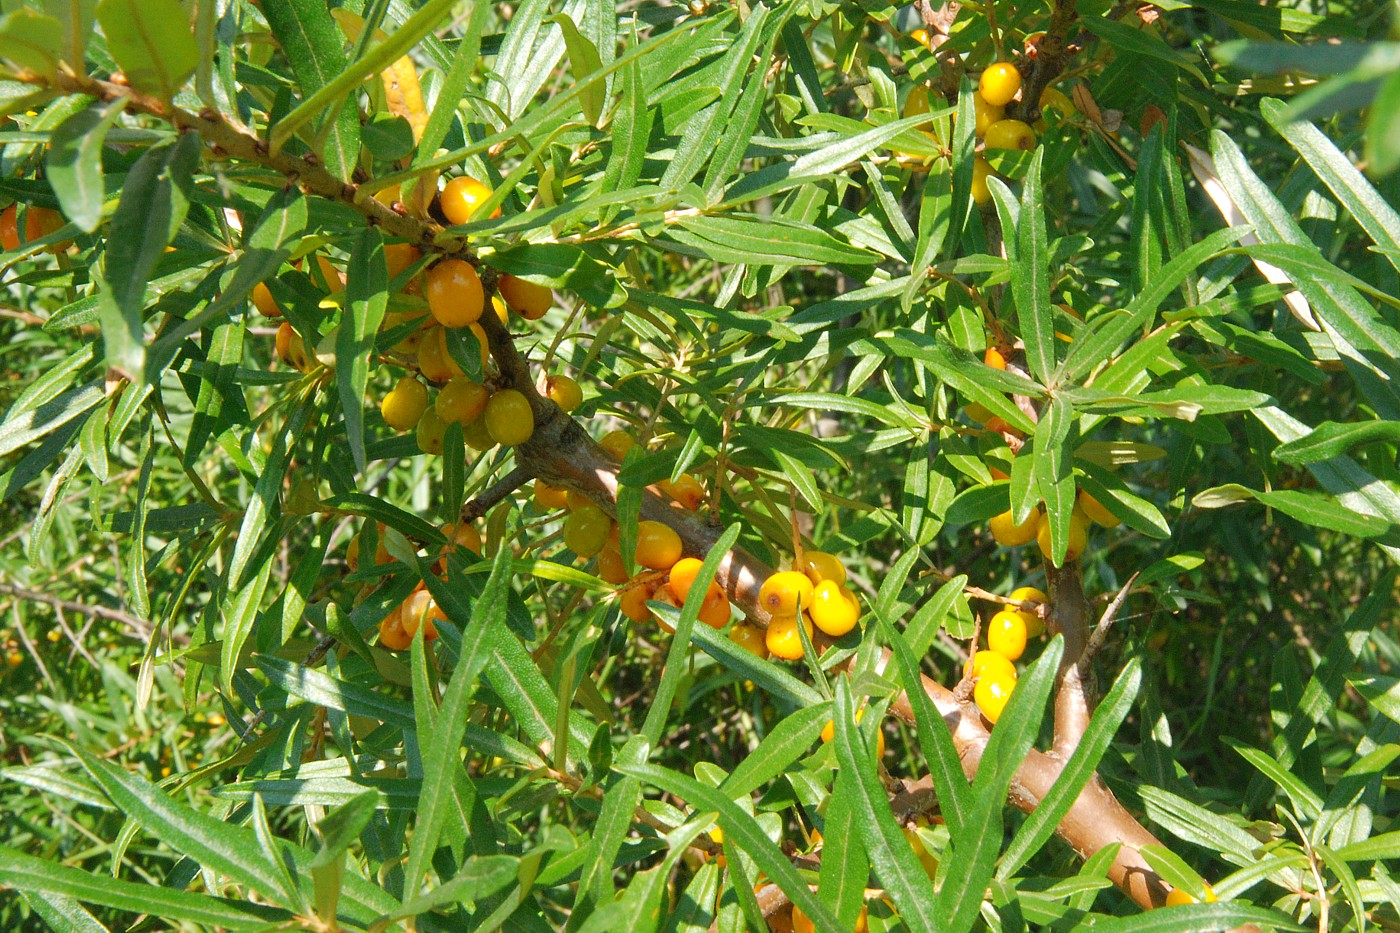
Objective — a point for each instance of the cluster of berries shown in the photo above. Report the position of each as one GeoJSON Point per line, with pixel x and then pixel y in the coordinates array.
{"type": "Point", "coordinates": [814, 593]}
{"type": "Point", "coordinates": [419, 609]}
{"type": "Point", "coordinates": [994, 668]}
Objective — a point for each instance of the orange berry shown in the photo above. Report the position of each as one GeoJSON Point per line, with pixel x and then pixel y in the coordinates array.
{"type": "Point", "coordinates": [829, 733]}
{"type": "Point", "coordinates": [994, 358]}
{"type": "Point", "coordinates": [783, 591]}
{"type": "Point", "coordinates": [800, 921]}
{"type": "Point", "coordinates": [633, 602]}
{"type": "Point", "coordinates": [819, 566]}
{"type": "Point", "coordinates": [392, 634]}
{"type": "Point", "coordinates": [927, 860]}
{"type": "Point", "coordinates": [682, 577]}
{"type": "Point", "coordinates": [463, 535]}
{"type": "Point", "coordinates": [1034, 623]}
{"type": "Point", "coordinates": [1078, 536]}
{"type": "Point", "coordinates": [529, 300]}
{"type": "Point", "coordinates": [564, 392]}
{"type": "Point", "coordinates": [454, 294]}
{"type": "Point", "coordinates": [618, 443]}
{"type": "Point", "coordinates": [1010, 134]}
{"type": "Point", "coordinates": [420, 609]}
{"type": "Point", "coordinates": [989, 664]}
{"type": "Point", "coordinates": [461, 401]}
{"type": "Point", "coordinates": [1006, 634]}
{"type": "Point", "coordinates": [586, 530]}
{"type": "Point", "coordinates": [404, 405]}
{"type": "Point", "coordinates": [399, 256]}
{"type": "Point", "coordinates": [335, 279]}
{"type": "Point", "coordinates": [1009, 534]}
{"type": "Point", "coordinates": [1000, 84]}
{"type": "Point", "coordinates": [992, 695]}
{"type": "Point", "coordinates": [687, 490]}
{"type": "Point", "coordinates": [749, 638]}
{"type": "Point", "coordinates": [550, 498]}
{"type": "Point", "coordinates": [264, 302]}
{"type": "Point", "coordinates": [291, 348]}
{"type": "Point", "coordinates": [658, 545]}
{"type": "Point", "coordinates": [1095, 511]}
{"type": "Point", "coordinates": [714, 611]}
{"type": "Point", "coordinates": [610, 566]}
{"type": "Point", "coordinates": [461, 197]}
{"type": "Point", "coordinates": [782, 638]}
{"type": "Point", "coordinates": [9, 228]}
{"type": "Point", "coordinates": [434, 362]}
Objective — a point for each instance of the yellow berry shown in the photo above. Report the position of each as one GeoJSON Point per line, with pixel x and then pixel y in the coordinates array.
{"type": "Point", "coordinates": [989, 664]}
{"type": "Point", "coordinates": [819, 566]}
{"type": "Point", "coordinates": [291, 348]}
{"type": "Point", "coordinates": [1078, 536]}
{"type": "Point", "coordinates": [992, 694]}
{"type": "Point", "coordinates": [1010, 134]}
{"type": "Point", "coordinates": [618, 443]}
{"type": "Point", "coordinates": [1177, 897]}
{"type": "Point", "coordinates": [461, 197]}
{"type": "Point", "coordinates": [835, 609]}
{"type": "Point", "coordinates": [586, 530]}
{"type": "Point", "coordinates": [461, 400]}
{"type": "Point", "coordinates": [399, 256]}
{"type": "Point", "coordinates": [431, 433]}
{"type": "Point", "coordinates": [509, 417]}
{"type": "Point", "coordinates": [917, 101]}
{"type": "Point", "coordinates": [14, 659]}
{"type": "Point", "coordinates": [750, 639]}
{"type": "Point", "coordinates": [434, 362]}
{"type": "Point", "coordinates": [420, 609]}
{"type": "Point", "coordinates": [682, 577]}
{"type": "Point", "coordinates": [981, 192]}
{"type": "Point", "coordinates": [783, 591]}
{"type": "Point", "coordinates": [392, 634]}
{"type": "Point", "coordinates": [1000, 84]}
{"type": "Point", "coordinates": [1009, 534]}
{"type": "Point", "coordinates": [478, 436]}
{"type": "Point", "coordinates": [658, 545]}
{"type": "Point", "coordinates": [610, 566]}
{"type": "Point", "coordinates": [927, 860]}
{"type": "Point", "coordinates": [782, 638]}
{"type": "Point", "coordinates": [405, 404]}
{"type": "Point", "coordinates": [1006, 634]}
{"type": "Point", "coordinates": [1034, 623]}
{"type": "Point", "coordinates": [1095, 511]}
{"type": "Point", "coordinates": [985, 115]}
{"type": "Point", "coordinates": [829, 733]}
{"type": "Point", "coordinates": [454, 294]}
{"type": "Point", "coordinates": [529, 300]}
{"type": "Point", "coordinates": [335, 279]}
{"type": "Point", "coordinates": [633, 602]}
{"type": "Point", "coordinates": [715, 609]}
{"type": "Point", "coordinates": [264, 302]}
{"type": "Point", "coordinates": [687, 491]}
{"type": "Point", "coordinates": [1057, 100]}
{"type": "Point", "coordinates": [564, 392]}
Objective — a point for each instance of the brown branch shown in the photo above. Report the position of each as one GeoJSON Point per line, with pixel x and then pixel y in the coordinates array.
{"type": "Point", "coordinates": [1069, 615]}
{"type": "Point", "coordinates": [1053, 52]}
{"type": "Point", "coordinates": [142, 628]}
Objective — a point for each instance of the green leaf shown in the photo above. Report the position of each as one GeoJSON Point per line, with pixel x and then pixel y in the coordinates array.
{"type": "Point", "coordinates": [153, 204]}
{"type": "Point", "coordinates": [1030, 276]}
{"type": "Point", "coordinates": [740, 240]}
{"type": "Point", "coordinates": [1053, 477]}
{"type": "Point", "coordinates": [771, 677]}
{"type": "Point", "coordinates": [315, 48]}
{"type": "Point", "coordinates": [584, 60]}
{"type": "Point", "coordinates": [366, 289]}
{"type": "Point", "coordinates": [152, 43]}
{"type": "Point", "coordinates": [1383, 131]}
{"type": "Point", "coordinates": [74, 163]}
{"type": "Point", "coordinates": [788, 741]}
{"type": "Point", "coordinates": [1332, 439]}
{"type": "Point", "coordinates": [31, 41]}
{"type": "Point", "coordinates": [896, 866]}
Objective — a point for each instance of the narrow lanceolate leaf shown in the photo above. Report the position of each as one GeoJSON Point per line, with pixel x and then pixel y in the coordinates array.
{"type": "Point", "coordinates": [845, 863]}
{"type": "Point", "coordinates": [239, 616]}
{"type": "Point", "coordinates": [895, 864]}
{"type": "Point", "coordinates": [1030, 277]}
{"type": "Point", "coordinates": [440, 749]}
{"type": "Point", "coordinates": [152, 43]}
{"type": "Point", "coordinates": [315, 47]}
{"type": "Point", "coordinates": [790, 739]}
{"type": "Point", "coordinates": [152, 207]}
{"type": "Point", "coordinates": [366, 287]}
{"type": "Point", "coordinates": [74, 162]}
{"type": "Point", "coordinates": [631, 129]}
{"type": "Point", "coordinates": [63, 914]}
{"type": "Point", "coordinates": [1332, 439]}
{"type": "Point", "coordinates": [1054, 480]}
{"type": "Point", "coordinates": [584, 60]}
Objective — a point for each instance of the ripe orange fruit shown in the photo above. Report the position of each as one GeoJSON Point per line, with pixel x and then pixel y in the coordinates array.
{"type": "Point", "coordinates": [782, 638]}
{"type": "Point", "coordinates": [434, 362]}
{"type": "Point", "coordinates": [992, 694]}
{"type": "Point", "coordinates": [783, 591]}
{"type": "Point", "coordinates": [993, 358]}
{"type": "Point", "coordinates": [399, 256]}
{"type": "Point", "coordinates": [334, 278]}
{"type": "Point", "coordinates": [529, 300]}
{"type": "Point", "coordinates": [291, 348]}
{"type": "Point", "coordinates": [682, 577]}
{"type": "Point", "coordinates": [564, 392]}
{"type": "Point", "coordinates": [610, 566]}
{"type": "Point", "coordinates": [461, 400]}
{"type": "Point", "coordinates": [461, 197]}
{"type": "Point", "coordinates": [550, 498]}
{"type": "Point", "coordinates": [404, 404]}
{"type": "Point", "coordinates": [454, 293]}
{"type": "Point", "coordinates": [1006, 634]}
{"type": "Point", "coordinates": [1009, 534]}
{"type": "Point", "coordinates": [1078, 536]}
{"type": "Point", "coordinates": [420, 609]}
{"type": "Point", "coordinates": [829, 733]}
{"type": "Point", "coordinates": [1000, 84]}
{"type": "Point", "coordinates": [819, 566]}
{"type": "Point", "coordinates": [715, 610]}
{"type": "Point", "coordinates": [750, 639]}
{"type": "Point", "coordinates": [618, 443]}
{"type": "Point", "coordinates": [835, 609]}
{"type": "Point", "coordinates": [264, 302]}
{"type": "Point", "coordinates": [509, 418]}
{"type": "Point", "coordinates": [1010, 134]}
{"type": "Point", "coordinates": [687, 490]}
{"type": "Point", "coordinates": [633, 602]}
{"type": "Point", "coordinates": [391, 633]}
{"type": "Point", "coordinates": [1034, 623]}
{"type": "Point", "coordinates": [658, 545]}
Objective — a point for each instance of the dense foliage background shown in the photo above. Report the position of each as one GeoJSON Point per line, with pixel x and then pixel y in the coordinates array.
{"type": "Point", "coordinates": [780, 275]}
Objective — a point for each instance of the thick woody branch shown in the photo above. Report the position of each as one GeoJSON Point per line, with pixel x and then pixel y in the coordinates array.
{"type": "Point", "coordinates": [1069, 616]}
{"type": "Point", "coordinates": [1053, 51]}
